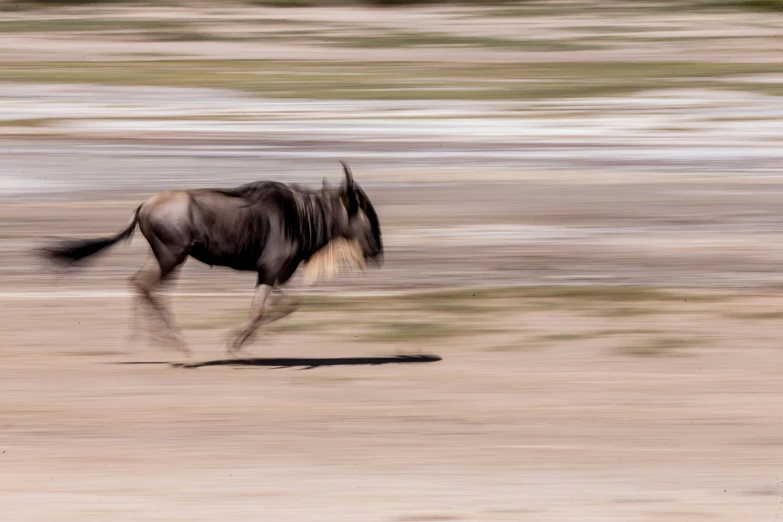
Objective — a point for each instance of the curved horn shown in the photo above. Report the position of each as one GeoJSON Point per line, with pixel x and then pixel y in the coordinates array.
{"type": "Point", "coordinates": [348, 175]}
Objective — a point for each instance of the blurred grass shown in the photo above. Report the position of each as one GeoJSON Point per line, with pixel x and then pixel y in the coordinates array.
{"type": "Point", "coordinates": [775, 315]}
{"type": "Point", "coordinates": [28, 4]}
{"type": "Point", "coordinates": [464, 312]}
{"type": "Point", "coordinates": [594, 335]}
{"type": "Point", "coordinates": [268, 30]}
{"type": "Point", "coordinates": [84, 25]}
{"type": "Point", "coordinates": [532, 8]}
{"type": "Point", "coordinates": [752, 5]}
{"type": "Point", "coordinates": [628, 312]}
{"type": "Point", "coordinates": [763, 5]}
{"type": "Point", "coordinates": [398, 80]}
{"type": "Point", "coordinates": [499, 319]}
{"type": "Point", "coordinates": [27, 122]}
{"type": "Point", "coordinates": [414, 330]}
{"type": "Point", "coordinates": [191, 30]}
{"type": "Point", "coordinates": [659, 347]}
{"type": "Point", "coordinates": [584, 293]}
{"type": "Point", "coordinates": [493, 300]}
{"type": "Point", "coordinates": [420, 39]}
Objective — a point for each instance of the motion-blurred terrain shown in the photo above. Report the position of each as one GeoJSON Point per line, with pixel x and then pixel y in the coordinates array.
{"type": "Point", "coordinates": [581, 209]}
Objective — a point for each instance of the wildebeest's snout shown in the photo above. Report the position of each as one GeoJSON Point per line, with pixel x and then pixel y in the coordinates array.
{"type": "Point", "coordinates": [376, 259]}
{"type": "Point", "coordinates": [373, 248]}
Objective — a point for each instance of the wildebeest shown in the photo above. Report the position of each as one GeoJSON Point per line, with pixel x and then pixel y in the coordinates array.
{"type": "Point", "coordinates": [265, 227]}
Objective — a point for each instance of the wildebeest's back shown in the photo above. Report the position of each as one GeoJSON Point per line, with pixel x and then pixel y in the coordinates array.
{"type": "Point", "coordinates": [245, 228]}
{"type": "Point", "coordinates": [255, 191]}
{"type": "Point", "coordinates": [234, 227]}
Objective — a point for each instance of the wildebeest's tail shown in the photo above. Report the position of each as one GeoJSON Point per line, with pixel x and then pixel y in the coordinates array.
{"type": "Point", "coordinates": [70, 251]}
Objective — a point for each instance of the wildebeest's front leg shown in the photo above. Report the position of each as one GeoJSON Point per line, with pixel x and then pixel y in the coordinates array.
{"type": "Point", "coordinates": [257, 309]}
{"type": "Point", "coordinates": [260, 312]}
{"type": "Point", "coordinates": [284, 304]}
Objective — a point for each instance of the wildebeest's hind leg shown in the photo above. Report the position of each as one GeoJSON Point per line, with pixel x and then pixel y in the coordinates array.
{"type": "Point", "coordinates": [142, 311]}
{"type": "Point", "coordinates": [136, 309]}
{"type": "Point", "coordinates": [148, 280]}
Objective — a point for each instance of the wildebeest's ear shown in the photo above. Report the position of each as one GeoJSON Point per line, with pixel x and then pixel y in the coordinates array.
{"type": "Point", "coordinates": [326, 185]}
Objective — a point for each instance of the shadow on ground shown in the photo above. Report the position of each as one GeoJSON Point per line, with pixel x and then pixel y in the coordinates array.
{"type": "Point", "coordinates": [304, 363]}
{"type": "Point", "coordinates": [309, 363]}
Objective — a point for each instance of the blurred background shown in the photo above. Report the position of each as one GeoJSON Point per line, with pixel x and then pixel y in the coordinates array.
{"type": "Point", "coordinates": [581, 210]}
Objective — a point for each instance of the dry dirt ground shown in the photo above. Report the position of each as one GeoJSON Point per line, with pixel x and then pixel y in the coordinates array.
{"type": "Point", "coordinates": [582, 405]}
{"type": "Point", "coordinates": [549, 403]}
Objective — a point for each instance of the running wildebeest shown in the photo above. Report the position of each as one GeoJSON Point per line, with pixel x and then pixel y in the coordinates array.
{"type": "Point", "coordinates": [265, 227]}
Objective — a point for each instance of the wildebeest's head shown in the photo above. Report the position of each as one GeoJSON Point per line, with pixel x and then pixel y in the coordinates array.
{"type": "Point", "coordinates": [361, 223]}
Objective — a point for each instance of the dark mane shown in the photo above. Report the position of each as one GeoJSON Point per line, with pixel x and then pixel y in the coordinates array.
{"type": "Point", "coordinates": [253, 191]}
{"type": "Point", "coordinates": [306, 213]}
{"type": "Point", "coordinates": [261, 190]}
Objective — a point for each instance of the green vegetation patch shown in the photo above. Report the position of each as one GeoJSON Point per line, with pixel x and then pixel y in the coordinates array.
{"type": "Point", "coordinates": [659, 347]}
{"type": "Point", "coordinates": [81, 25]}
{"type": "Point", "coordinates": [420, 39]}
{"type": "Point", "coordinates": [398, 80]}
{"type": "Point", "coordinates": [415, 330]}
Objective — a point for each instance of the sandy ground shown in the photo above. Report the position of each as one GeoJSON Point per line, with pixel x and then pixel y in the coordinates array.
{"type": "Point", "coordinates": [560, 409]}
{"type": "Point", "coordinates": [543, 407]}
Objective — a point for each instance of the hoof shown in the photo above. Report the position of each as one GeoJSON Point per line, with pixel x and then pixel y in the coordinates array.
{"type": "Point", "coordinates": [232, 351]}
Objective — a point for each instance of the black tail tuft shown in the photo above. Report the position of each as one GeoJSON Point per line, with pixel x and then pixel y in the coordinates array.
{"type": "Point", "coordinates": [70, 251]}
